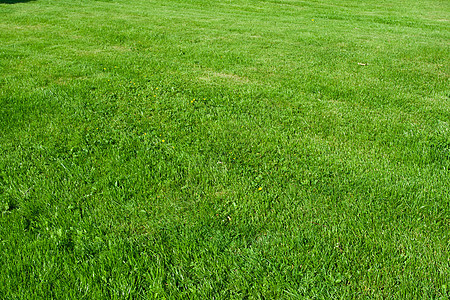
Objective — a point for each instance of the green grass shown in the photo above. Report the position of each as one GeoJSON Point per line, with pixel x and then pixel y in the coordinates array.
{"type": "Point", "coordinates": [235, 149]}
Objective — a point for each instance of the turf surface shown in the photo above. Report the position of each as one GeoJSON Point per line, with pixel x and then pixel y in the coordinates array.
{"type": "Point", "coordinates": [234, 149]}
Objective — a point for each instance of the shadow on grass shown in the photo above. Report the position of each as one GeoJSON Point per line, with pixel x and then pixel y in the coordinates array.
{"type": "Point", "coordinates": [14, 1]}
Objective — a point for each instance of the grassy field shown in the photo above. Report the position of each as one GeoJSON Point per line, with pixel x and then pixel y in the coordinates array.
{"type": "Point", "coordinates": [239, 149]}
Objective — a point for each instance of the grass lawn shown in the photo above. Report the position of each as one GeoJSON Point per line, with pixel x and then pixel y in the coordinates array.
{"type": "Point", "coordinates": [224, 149]}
